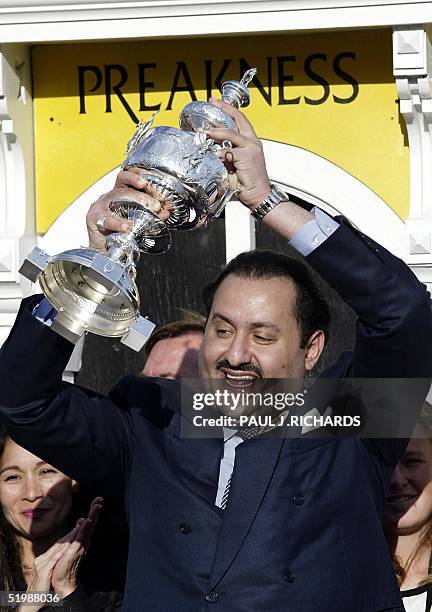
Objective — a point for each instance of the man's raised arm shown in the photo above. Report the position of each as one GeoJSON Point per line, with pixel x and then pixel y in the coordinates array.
{"type": "Point", "coordinates": [79, 432]}
{"type": "Point", "coordinates": [394, 329]}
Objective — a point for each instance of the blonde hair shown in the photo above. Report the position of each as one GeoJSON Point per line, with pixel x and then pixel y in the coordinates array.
{"type": "Point", "coordinates": [425, 539]}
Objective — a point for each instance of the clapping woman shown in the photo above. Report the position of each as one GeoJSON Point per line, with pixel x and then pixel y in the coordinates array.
{"type": "Point", "coordinates": [41, 545]}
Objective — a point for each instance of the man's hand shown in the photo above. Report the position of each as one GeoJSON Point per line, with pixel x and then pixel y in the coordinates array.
{"type": "Point", "coordinates": [129, 185]}
{"type": "Point", "coordinates": [245, 162]}
{"type": "Point", "coordinates": [248, 173]}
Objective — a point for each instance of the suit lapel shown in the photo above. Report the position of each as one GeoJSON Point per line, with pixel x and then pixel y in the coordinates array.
{"type": "Point", "coordinates": [255, 463]}
{"type": "Point", "coordinates": [196, 461]}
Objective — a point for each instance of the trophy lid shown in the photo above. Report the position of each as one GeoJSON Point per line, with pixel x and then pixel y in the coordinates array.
{"type": "Point", "coordinates": [237, 92]}
{"type": "Point", "coordinates": [204, 116]}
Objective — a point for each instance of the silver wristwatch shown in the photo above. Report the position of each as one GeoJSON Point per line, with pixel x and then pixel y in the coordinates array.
{"type": "Point", "coordinates": [275, 196]}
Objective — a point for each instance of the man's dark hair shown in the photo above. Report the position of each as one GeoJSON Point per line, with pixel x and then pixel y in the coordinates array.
{"type": "Point", "coordinates": [194, 322]}
{"type": "Point", "coordinates": [311, 310]}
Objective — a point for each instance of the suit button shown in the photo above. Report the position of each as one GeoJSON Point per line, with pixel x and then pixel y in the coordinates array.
{"type": "Point", "coordinates": [289, 577]}
{"type": "Point", "coordinates": [212, 597]}
{"type": "Point", "coordinates": [298, 499]}
{"type": "Point", "coordinates": [185, 528]}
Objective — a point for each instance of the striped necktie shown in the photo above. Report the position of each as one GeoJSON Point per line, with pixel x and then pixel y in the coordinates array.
{"type": "Point", "coordinates": [247, 433]}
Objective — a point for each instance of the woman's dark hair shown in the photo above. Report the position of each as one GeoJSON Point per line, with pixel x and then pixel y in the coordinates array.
{"type": "Point", "coordinates": [11, 577]}
{"type": "Point", "coordinates": [311, 309]}
{"type": "Point", "coordinates": [11, 574]}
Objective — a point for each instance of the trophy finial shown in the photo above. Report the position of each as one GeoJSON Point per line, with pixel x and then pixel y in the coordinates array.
{"type": "Point", "coordinates": [248, 76]}
{"type": "Point", "coordinates": [236, 92]}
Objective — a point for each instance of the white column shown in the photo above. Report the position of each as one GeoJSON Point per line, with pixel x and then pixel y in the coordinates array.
{"type": "Point", "coordinates": [239, 230]}
{"type": "Point", "coordinates": [17, 227]}
{"type": "Point", "coordinates": [412, 68]}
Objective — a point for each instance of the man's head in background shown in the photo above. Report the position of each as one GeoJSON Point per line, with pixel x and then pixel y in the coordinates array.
{"type": "Point", "coordinates": [172, 350]}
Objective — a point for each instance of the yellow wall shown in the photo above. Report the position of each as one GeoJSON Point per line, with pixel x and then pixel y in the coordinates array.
{"type": "Point", "coordinates": [363, 135]}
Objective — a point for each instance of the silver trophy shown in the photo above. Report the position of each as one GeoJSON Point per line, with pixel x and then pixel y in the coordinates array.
{"type": "Point", "coordinates": [95, 292]}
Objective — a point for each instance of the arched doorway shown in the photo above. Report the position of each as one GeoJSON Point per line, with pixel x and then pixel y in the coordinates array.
{"type": "Point", "coordinates": [175, 280]}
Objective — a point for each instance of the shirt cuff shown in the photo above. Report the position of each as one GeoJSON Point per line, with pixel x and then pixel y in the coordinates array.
{"type": "Point", "coordinates": [45, 312]}
{"type": "Point", "coordinates": [314, 232]}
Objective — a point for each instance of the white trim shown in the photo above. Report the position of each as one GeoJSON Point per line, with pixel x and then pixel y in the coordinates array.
{"type": "Point", "coordinates": [239, 230]}
{"type": "Point", "coordinates": [69, 229]}
{"type": "Point", "coordinates": [412, 67]}
{"type": "Point", "coordinates": [16, 179]}
{"type": "Point", "coordinates": [321, 182]}
{"type": "Point", "coordinates": [332, 188]}
{"type": "Point", "coordinates": [49, 21]}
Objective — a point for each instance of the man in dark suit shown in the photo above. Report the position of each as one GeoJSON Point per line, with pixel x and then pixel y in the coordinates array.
{"type": "Point", "coordinates": [239, 525]}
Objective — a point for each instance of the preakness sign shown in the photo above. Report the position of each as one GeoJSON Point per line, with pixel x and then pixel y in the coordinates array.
{"type": "Point", "coordinates": [333, 94]}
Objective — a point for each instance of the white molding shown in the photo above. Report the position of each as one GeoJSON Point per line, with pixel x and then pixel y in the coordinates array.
{"type": "Point", "coordinates": [12, 173]}
{"type": "Point", "coordinates": [332, 188]}
{"type": "Point", "coordinates": [17, 232]}
{"type": "Point", "coordinates": [336, 191]}
{"type": "Point", "coordinates": [60, 20]}
{"type": "Point", "coordinates": [424, 273]}
{"type": "Point", "coordinates": [69, 229]}
{"type": "Point", "coordinates": [239, 230]}
{"type": "Point", "coordinates": [9, 260]}
{"type": "Point", "coordinates": [412, 55]}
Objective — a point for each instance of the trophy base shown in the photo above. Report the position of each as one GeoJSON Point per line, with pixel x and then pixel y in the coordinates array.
{"type": "Point", "coordinates": [91, 294]}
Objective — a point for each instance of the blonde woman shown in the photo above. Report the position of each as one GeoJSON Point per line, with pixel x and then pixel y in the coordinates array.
{"type": "Point", "coordinates": [408, 518]}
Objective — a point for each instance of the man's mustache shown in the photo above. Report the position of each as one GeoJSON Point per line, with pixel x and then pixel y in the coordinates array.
{"type": "Point", "coordinates": [243, 367]}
